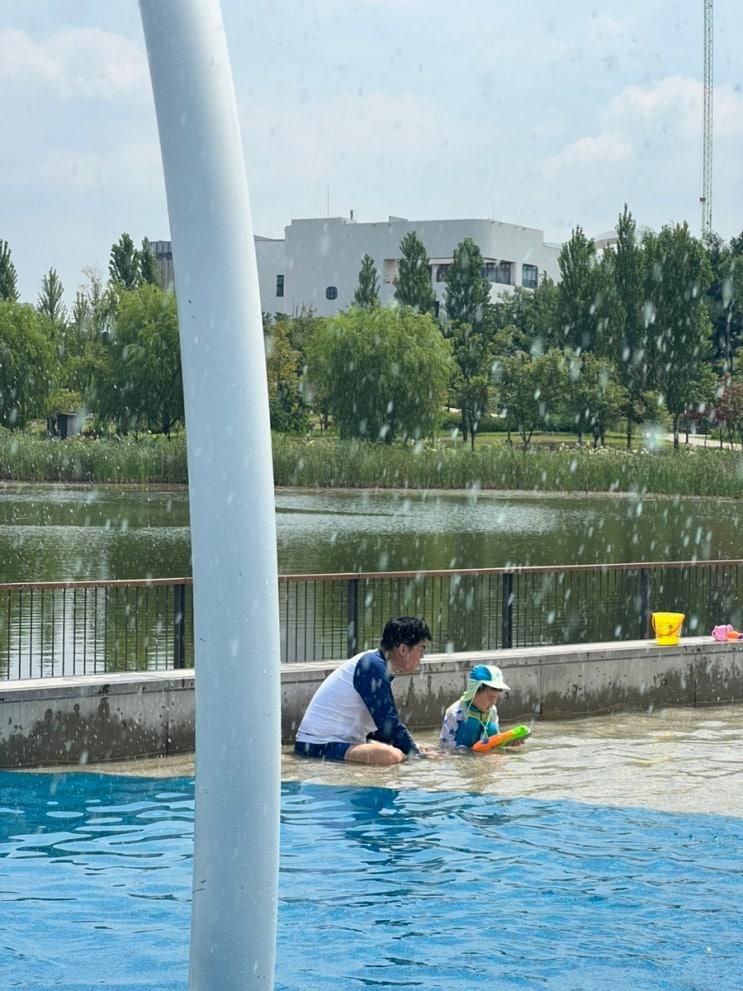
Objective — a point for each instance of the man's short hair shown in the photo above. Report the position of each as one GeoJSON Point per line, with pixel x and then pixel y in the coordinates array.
{"type": "Point", "coordinates": [405, 629]}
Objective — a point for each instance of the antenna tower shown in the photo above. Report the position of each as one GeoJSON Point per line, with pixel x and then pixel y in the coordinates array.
{"type": "Point", "coordinates": [706, 198]}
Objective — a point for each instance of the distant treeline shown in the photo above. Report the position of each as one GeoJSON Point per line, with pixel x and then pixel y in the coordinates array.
{"type": "Point", "coordinates": [647, 330]}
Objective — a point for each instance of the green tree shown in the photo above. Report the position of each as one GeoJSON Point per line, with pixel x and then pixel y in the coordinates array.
{"type": "Point", "coordinates": [384, 372]}
{"type": "Point", "coordinates": [124, 266]}
{"type": "Point", "coordinates": [80, 312]}
{"type": "Point", "coordinates": [678, 274]}
{"type": "Point", "coordinates": [467, 290]}
{"type": "Point", "coordinates": [27, 364]}
{"type": "Point", "coordinates": [283, 367]}
{"type": "Point", "coordinates": [533, 312]}
{"type": "Point", "coordinates": [469, 324]}
{"type": "Point", "coordinates": [8, 275]}
{"type": "Point", "coordinates": [593, 395]}
{"type": "Point", "coordinates": [50, 303]}
{"type": "Point", "coordinates": [366, 296]}
{"type": "Point", "coordinates": [729, 411]}
{"type": "Point", "coordinates": [52, 320]}
{"type": "Point", "coordinates": [147, 266]}
{"type": "Point", "coordinates": [146, 388]}
{"type": "Point", "coordinates": [470, 385]}
{"type": "Point", "coordinates": [530, 389]}
{"type": "Point", "coordinates": [626, 326]}
{"type": "Point", "coordinates": [703, 394]}
{"type": "Point", "coordinates": [85, 352]}
{"type": "Point", "coordinates": [300, 327]}
{"type": "Point", "coordinates": [413, 285]}
{"type": "Point", "coordinates": [579, 294]}
{"type": "Point", "coordinates": [725, 298]}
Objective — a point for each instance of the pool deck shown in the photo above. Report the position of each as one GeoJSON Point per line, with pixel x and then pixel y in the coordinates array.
{"type": "Point", "coordinates": [115, 717]}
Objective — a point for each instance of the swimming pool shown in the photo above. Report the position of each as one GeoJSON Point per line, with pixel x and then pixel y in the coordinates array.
{"type": "Point", "coordinates": [380, 888]}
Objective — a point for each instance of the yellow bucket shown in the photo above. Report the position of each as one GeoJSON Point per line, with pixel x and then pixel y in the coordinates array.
{"type": "Point", "coordinates": [667, 626]}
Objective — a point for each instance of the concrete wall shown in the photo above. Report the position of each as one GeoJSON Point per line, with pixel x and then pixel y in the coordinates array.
{"type": "Point", "coordinates": [110, 717]}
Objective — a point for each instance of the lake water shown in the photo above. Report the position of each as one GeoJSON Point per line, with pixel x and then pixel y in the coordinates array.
{"type": "Point", "coordinates": [604, 854]}
{"type": "Point", "coordinates": [55, 533]}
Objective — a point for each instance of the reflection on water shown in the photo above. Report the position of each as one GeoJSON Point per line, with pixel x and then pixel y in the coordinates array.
{"type": "Point", "coordinates": [59, 533]}
{"type": "Point", "coordinates": [388, 531]}
{"type": "Point", "coordinates": [54, 533]}
{"type": "Point", "coordinates": [546, 868]}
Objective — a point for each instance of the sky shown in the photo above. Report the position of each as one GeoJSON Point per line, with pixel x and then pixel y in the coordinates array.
{"type": "Point", "coordinates": [535, 113]}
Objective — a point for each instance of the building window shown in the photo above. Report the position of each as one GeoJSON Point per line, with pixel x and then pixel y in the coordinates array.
{"type": "Point", "coordinates": [503, 273]}
{"type": "Point", "coordinates": [331, 293]}
{"type": "Point", "coordinates": [442, 273]}
{"type": "Point", "coordinates": [279, 285]}
{"type": "Point", "coordinates": [498, 272]}
{"type": "Point", "coordinates": [529, 276]}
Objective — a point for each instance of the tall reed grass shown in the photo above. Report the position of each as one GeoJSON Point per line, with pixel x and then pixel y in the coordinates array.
{"type": "Point", "coordinates": [143, 460]}
{"type": "Point", "coordinates": [328, 462]}
{"type": "Point", "coordinates": [325, 463]}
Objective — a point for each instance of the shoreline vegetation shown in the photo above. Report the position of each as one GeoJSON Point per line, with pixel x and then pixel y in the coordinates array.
{"type": "Point", "coordinates": [329, 463]}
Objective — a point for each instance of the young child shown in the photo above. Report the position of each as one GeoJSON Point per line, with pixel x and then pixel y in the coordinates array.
{"type": "Point", "coordinates": [474, 716]}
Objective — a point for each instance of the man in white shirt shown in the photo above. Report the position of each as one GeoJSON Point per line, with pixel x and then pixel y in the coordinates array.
{"type": "Point", "coordinates": [352, 715]}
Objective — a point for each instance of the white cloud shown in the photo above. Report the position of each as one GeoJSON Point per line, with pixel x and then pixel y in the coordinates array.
{"type": "Point", "coordinates": [646, 152]}
{"type": "Point", "coordinates": [87, 63]}
{"type": "Point", "coordinates": [665, 117]}
{"type": "Point", "coordinates": [614, 147]}
{"type": "Point", "coordinates": [673, 103]}
{"type": "Point", "coordinates": [728, 112]}
{"type": "Point", "coordinates": [21, 56]}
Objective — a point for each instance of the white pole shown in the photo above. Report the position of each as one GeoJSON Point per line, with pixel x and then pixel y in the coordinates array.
{"type": "Point", "coordinates": [233, 534]}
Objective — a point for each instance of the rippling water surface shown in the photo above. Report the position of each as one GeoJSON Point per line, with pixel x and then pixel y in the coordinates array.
{"type": "Point", "coordinates": [62, 533]}
{"type": "Point", "coordinates": [581, 862]}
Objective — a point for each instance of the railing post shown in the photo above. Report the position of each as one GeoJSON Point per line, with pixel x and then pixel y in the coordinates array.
{"type": "Point", "coordinates": [352, 636]}
{"type": "Point", "coordinates": [645, 602]}
{"type": "Point", "coordinates": [507, 611]}
{"type": "Point", "coordinates": [179, 639]}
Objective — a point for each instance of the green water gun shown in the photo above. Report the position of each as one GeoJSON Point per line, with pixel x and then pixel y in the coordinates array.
{"type": "Point", "coordinates": [501, 739]}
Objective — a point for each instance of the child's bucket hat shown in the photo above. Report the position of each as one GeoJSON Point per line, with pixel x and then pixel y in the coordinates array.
{"type": "Point", "coordinates": [484, 674]}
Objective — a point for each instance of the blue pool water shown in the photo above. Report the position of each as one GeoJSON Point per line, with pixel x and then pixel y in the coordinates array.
{"type": "Point", "coordinates": [379, 888]}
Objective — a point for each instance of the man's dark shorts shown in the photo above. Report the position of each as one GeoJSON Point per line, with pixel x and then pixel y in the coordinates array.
{"type": "Point", "coordinates": [325, 751]}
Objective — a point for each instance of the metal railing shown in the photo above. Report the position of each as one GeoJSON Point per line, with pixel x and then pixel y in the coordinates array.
{"type": "Point", "coordinates": [63, 628]}
{"type": "Point", "coordinates": [54, 629]}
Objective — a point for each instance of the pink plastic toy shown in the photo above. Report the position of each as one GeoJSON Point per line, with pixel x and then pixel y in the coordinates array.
{"type": "Point", "coordinates": [722, 632]}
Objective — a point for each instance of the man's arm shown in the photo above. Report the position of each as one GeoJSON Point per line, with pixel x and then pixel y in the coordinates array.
{"type": "Point", "coordinates": [372, 681]}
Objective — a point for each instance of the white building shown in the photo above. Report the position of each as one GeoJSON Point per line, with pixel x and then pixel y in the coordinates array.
{"type": "Point", "coordinates": [316, 265]}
